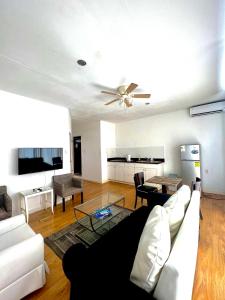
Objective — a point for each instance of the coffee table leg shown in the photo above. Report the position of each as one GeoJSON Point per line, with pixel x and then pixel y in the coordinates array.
{"type": "Point", "coordinates": [90, 218]}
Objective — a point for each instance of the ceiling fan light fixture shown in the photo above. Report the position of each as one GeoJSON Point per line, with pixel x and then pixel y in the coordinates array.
{"type": "Point", "coordinates": [125, 95]}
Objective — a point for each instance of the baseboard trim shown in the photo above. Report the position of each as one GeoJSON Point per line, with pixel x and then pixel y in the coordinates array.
{"type": "Point", "coordinates": [214, 196]}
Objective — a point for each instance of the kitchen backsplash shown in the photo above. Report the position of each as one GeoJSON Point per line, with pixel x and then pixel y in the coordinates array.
{"type": "Point", "coordinates": [149, 152]}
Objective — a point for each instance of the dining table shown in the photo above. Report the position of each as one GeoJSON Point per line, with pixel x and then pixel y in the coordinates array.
{"type": "Point", "coordinates": [166, 181]}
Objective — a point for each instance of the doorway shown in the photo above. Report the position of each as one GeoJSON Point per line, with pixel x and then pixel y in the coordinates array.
{"type": "Point", "coordinates": [77, 155]}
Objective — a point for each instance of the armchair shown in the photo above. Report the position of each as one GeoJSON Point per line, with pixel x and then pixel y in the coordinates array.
{"type": "Point", "coordinates": [22, 265]}
{"type": "Point", "coordinates": [67, 185]}
{"type": "Point", "coordinates": [5, 203]}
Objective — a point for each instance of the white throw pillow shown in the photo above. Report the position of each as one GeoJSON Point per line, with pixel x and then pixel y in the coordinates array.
{"type": "Point", "coordinates": [176, 216]}
{"type": "Point", "coordinates": [183, 195]}
{"type": "Point", "coordinates": [175, 207]}
{"type": "Point", "coordinates": [153, 250]}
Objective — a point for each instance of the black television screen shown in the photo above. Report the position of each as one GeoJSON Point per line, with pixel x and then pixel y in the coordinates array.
{"type": "Point", "coordinates": [32, 160]}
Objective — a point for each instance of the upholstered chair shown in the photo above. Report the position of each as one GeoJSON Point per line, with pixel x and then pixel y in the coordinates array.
{"type": "Point", "coordinates": [66, 185]}
{"type": "Point", "coordinates": [5, 203]}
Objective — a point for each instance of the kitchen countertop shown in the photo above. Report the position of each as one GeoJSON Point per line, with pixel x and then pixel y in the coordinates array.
{"type": "Point", "coordinates": [154, 161]}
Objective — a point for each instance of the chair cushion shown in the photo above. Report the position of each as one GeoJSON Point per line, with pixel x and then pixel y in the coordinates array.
{"type": "Point", "coordinates": [146, 189]}
{"type": "Point", "coordinates": [153, 250]}
{"type": "Point", "coordinates": [69, 191]}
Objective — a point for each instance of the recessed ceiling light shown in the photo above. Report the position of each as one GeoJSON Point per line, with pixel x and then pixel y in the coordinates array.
{"type": "Point", "coordinates": [81, 62]}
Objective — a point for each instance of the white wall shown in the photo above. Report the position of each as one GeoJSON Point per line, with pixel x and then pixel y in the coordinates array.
{"type": "Point", "coordinates": [90, 148]}
{"type": "Point", "coordinates": [174, 129]}
{"type": "Point", "coordinates": [108, 140]}
{"type": "Point", "coordinates": [25, 122]}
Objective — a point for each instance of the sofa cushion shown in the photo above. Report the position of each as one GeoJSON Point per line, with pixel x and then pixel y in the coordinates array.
{"type": "Point", "coordinates": [153, 250]}
{"type": "Point", "coordinates": [175, 207]}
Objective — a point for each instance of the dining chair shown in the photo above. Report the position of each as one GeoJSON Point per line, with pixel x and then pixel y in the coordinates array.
{"type": "Point", "coordinates": [142, 191]}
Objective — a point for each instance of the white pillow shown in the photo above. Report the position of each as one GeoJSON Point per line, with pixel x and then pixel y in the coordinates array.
{"type": "Point", "coordinates": [176, 216]}
{"type": "Point", "coordinates": [175, 207]}
{"type": "Point", "coordinates": [182, 195]}
{"type": "Point", "coordinates": [153, 250]}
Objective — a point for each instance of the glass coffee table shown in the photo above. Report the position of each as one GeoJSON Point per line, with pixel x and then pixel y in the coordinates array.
{"type": "Point", "coordinates": [93, 220]}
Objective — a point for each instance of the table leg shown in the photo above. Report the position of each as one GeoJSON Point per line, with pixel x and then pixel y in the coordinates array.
{"type": "Point", "coordinates": [164, 189]}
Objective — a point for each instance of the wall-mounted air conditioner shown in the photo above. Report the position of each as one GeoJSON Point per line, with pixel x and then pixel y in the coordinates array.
{"type": "Point", "coordinates": [208, 108]}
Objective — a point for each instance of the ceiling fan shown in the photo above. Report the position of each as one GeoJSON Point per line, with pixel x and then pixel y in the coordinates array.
{"type": "Point", "coordinates": [125, 96]}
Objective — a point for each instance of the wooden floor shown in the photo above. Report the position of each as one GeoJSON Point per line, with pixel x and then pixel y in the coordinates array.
{"type": "Point", "coordinates": [210, 272]}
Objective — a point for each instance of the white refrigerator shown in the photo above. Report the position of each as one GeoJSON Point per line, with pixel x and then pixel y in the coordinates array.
{"type": "Point", "coordinates": [190, 163]}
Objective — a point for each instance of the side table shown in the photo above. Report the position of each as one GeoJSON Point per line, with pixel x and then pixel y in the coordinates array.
{"type": "Point", "coordinates": [26, 195]}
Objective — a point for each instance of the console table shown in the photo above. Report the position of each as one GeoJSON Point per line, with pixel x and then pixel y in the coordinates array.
{"type": "Point", "coordinates": [26, 195]}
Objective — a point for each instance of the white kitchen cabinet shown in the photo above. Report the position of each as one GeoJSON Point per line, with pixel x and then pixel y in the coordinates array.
{"type": "Point", "coordinates": [129, 173]}
{"type": "Point", "coordinates": [124, 172]}
{"type": "Point", "coordinates": [111, 171]}
{"type": "Point", "coordinates": [119, 172]}
{"type": "Point", "coordinates": [150, 172]}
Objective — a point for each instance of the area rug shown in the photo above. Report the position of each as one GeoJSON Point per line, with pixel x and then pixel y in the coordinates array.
{"type": "Point", "coordinates": [75, 233]}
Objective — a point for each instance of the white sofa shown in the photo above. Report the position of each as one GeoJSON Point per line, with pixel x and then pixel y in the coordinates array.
{"type": "Point", "coordinates": [119, 246]}
{"type": "Point", "coordinates": [177, 276]}
{"type": "Point", "coordinates": [22, 265]}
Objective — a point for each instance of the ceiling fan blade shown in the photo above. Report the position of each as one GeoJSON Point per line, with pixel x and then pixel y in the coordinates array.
{"type": "Point", "coordinates": [112, 101]}
{"type": "Point", "coordinates": [130, 88]}
{"type": "Point", "coordinates": [128, 104]}
{"type": "Point", "coordinates": [141, 95]}
{"type": "Point", "coordinates": [110, 93]}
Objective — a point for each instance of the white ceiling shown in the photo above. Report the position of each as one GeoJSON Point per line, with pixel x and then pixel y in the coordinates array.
{"type": "Point", "coordinates": [172, 48]}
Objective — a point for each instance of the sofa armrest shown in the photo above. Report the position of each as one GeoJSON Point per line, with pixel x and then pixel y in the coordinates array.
{"type": "Point", "coordinates": [18, 260]}
{"type": "Point", "coordinates": [74, 261]}
{"type": "Point", "coordinates": [11, 223]}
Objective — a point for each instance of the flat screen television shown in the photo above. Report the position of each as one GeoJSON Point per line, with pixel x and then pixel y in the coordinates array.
{"type": "Point", "coordinates": [32, 160]}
